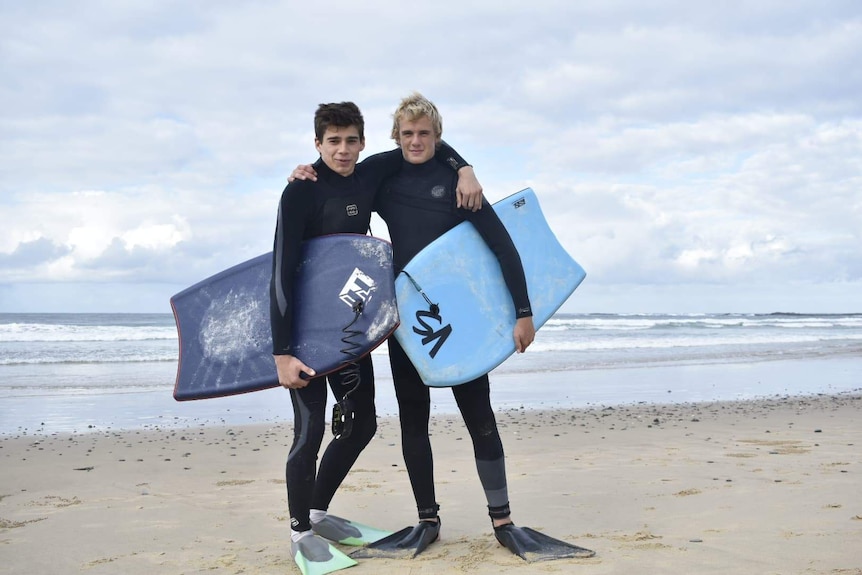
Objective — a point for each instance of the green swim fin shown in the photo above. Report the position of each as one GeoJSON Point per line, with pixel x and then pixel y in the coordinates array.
{"type": "Point", "coordinates": [347, 532]}
{"type": "Point", "coordinates": [315, 556]}
{"type": "Point", "coordinates": [531, 545]}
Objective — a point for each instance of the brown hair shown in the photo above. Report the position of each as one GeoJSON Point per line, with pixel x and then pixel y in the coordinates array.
{"type": "Point", "coordinates": [341, 115]}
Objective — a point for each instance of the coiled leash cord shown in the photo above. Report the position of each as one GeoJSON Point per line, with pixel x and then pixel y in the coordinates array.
{"type": "Point", "coordinates": [344, 410]}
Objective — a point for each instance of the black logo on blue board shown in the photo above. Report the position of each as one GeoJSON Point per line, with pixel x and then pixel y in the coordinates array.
{"type": "Point", "coordinates": [428, 333]}
{"type": "Point", "coordinates": [519, 203]}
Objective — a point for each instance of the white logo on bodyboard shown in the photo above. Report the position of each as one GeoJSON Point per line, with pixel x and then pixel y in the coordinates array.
{"type": "Point", "coordinates": [359, 287]}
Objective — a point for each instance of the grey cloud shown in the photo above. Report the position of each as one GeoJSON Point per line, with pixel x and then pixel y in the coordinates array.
{"type": "Point", "coordinates": [33, 253]}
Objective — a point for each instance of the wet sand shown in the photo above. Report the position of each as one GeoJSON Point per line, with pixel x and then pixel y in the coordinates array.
{"type": "Point", "coordinates": [751, 487]}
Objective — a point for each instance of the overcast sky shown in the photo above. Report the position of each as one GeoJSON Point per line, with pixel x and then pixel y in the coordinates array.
{"type": "Point", "coordinates": [692, 156]}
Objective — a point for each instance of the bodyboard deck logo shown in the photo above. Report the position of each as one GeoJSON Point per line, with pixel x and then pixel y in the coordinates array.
{"type": "Point", "coordinates": [429, 334]}
{"type": "Point", "coordinates": [358, 288]}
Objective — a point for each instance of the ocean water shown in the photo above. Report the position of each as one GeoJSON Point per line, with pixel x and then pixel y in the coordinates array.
{"type": "Point", "coordinates": [79, 372]}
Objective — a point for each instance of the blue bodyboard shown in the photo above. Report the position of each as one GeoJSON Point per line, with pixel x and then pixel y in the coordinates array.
{"type": "Point", "coordinates": [224, 321]}
{"type": "Point", "coordinates": [471, 333]}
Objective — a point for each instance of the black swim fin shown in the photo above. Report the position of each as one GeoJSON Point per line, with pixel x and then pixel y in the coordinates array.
{"type": "Point", "coordinates": [531, 545]}
{"type": "Point", "coordinates": [404, 544]}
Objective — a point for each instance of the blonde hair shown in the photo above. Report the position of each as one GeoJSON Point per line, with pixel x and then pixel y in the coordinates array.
{"type": "Point", "coordinates": [414, 107]}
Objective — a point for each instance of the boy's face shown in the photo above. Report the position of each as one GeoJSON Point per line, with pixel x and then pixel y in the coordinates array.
{"type": "Point", "coordinates": [417, 139]}
{"type": "Point", "coordinates": [340, 148]}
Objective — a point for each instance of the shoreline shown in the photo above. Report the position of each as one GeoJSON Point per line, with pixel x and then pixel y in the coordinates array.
{"type": "Point", "coordinates": [752, 486]}
{"type": "Point", "coordinates": [572, 388]}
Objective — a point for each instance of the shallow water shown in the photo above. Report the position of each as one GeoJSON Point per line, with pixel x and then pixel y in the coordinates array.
{"type": "Point", "coordinates": [74, 372]}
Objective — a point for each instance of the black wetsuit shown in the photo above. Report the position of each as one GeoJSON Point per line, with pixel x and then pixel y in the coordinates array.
{"type": "Point", "coordinates": [333, 204]}
{"type": "Point", "coordinates": [418, 206]}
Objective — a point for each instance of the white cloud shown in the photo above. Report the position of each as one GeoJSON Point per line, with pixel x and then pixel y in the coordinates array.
{"type": "Point", "coordinates": [673, 143]}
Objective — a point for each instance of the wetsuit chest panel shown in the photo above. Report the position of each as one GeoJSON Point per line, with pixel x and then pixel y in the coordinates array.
{"type": "Point", "coordinates": [342, 205]}
{"type": "Point", "coordinates": [345, 214]}
{"type": "Point", "coordinates": [418, 206]}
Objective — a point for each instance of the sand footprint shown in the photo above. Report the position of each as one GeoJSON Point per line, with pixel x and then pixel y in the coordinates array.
{"type": "Point", "coordinates": [232, 482]}
{"type": "Point", "coordinates": [55, 501]}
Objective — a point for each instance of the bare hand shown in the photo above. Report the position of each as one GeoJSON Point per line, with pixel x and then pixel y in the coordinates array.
{"type": "Point", "coordinates": [524, 334]}
{"type": "Point", "coordinates": [303, 172]}
{"type": "Point", "coordinates": [290, 370]}
{"type": "Point", "coordinates": [468, 191]}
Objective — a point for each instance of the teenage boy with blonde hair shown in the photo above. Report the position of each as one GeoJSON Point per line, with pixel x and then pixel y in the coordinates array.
{"type": "Point", "coordinates": [419, 205]}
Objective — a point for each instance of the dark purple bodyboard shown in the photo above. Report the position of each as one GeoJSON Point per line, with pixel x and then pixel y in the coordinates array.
{"type": "Point", "coordinates": [223, 322]}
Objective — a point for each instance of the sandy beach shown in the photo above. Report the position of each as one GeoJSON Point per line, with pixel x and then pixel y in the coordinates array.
{"type": "Point", "coordinates": [755, 487]}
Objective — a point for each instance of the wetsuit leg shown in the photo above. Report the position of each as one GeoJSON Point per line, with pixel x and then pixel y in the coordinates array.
{"type": "Point", "coordinates": [474, 402]}
{"type": "Point", "coordinates": [309, 404]}
{"type": "Point", "coordinates": [341, 454]}
{"type": "Point", "coordinates": [414, 408]}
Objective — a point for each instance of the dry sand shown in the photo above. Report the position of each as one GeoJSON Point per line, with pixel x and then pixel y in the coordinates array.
{"type": "Point", "coordinates": [760, 487]}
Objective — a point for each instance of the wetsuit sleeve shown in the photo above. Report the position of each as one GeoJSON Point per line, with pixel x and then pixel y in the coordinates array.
{"type": "Point", "coordinates": [492, 230]}
{"type": "Point", "coordinates": [294, 210]}
{"type": "Point", "coordinates": [447, 155]}
{"type": "Point", "coordinates": [376, 168]}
